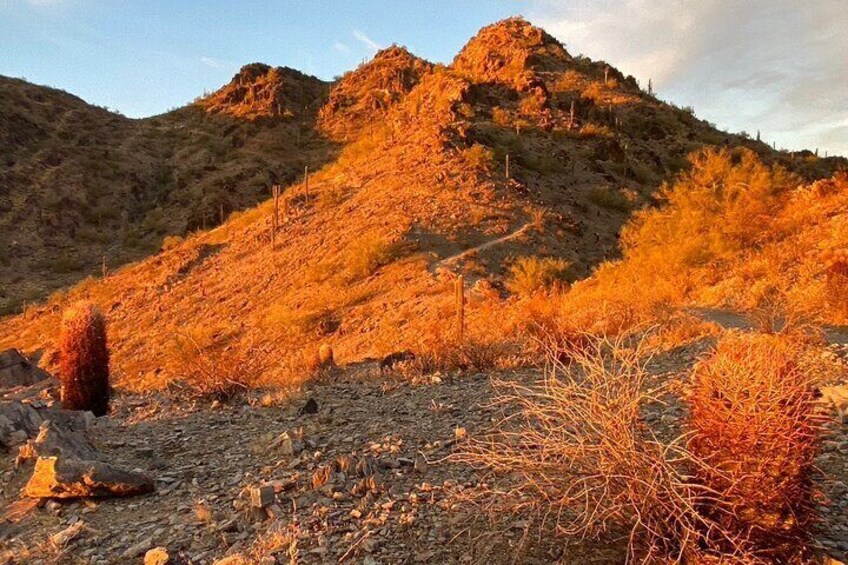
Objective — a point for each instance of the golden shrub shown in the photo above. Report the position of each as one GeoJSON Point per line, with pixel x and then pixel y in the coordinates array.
{"type": "Point", "coordinates": [528, 275]}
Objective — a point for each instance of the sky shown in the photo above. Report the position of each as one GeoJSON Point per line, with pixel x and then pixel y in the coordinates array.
{"type": "Point", "coordinates": [777, 66]}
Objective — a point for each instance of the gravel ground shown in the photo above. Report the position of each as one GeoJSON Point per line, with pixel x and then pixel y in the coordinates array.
{"type": "Point", "coordinates": [361, 480]}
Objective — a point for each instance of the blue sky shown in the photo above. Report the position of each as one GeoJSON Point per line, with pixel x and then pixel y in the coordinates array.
{"type": "Point", "coordinates": [773, 65]}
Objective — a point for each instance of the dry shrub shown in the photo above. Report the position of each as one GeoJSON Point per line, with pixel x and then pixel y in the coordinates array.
{"type": "Point", "coordinates": [501, 117]}
{"type": "Point", "coordinates": [370, 252]}
{"type": "Point", "coordinates": [278, 545]}
{"type": "Point", "coordinates": [531, 105]}
{"type": "Point", "coordinates": [215, 367]}
{"type": "Point", "coordinates": [679, 330]}
{"type": "Point", "coordinates": [479, 156]}
{"type": "Point", "coordinates": [84, 360]}
{"type": "Point", "coordinates": [614, 303]}
{"type": "Point", "coordinates": [445, 355]}
{"type": "Point", "coordinates": [835, 262]}
{"type": "Point", "coordinates": [595, 91]}
{"type": "Point", "coordinates": [722, 205]}
{"type": "Point", "coordinates": [486, 345]}
{"type": "Point", "coordinates": [529, 275]}
{"type": "Point", "coordinates": [754, 425]}
{"type": "Point", "coordinates": [583, 459]}
{"type": "Point", "coordinates": [171, 242]}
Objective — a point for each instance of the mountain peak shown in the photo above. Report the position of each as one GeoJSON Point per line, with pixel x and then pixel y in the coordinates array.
{"type": "Point", "coordinates": [505, 51]}
{"type": "Point", "coordinates": [262, 91]}
{"type": "Point", "coordinates": [368, 92]}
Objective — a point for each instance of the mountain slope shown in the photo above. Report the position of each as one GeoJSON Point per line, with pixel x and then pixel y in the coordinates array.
{"type": "Point", "coordinates": [78, 183]}
{"type": "Point", "coordinates": [366, 255]}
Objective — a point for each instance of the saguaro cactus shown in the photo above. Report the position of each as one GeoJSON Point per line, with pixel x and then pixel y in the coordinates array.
{"type": "Point", "coordinates": [84, 360]}
{"type": "Point", "coordinates": [459, 290]}
{"type": "Point", "coordinates": [275, 222]}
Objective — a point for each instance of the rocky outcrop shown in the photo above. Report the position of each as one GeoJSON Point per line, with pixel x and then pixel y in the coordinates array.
{"type": "Point", "coordinates": [364, 96]}
{"type": "Point", "coordinates": [66, 463]}
{"type": "Point", "coordinates": [68, 466]}
{"type": "Point", "coordinates": [16, 370]}
{"type": "Point", "coordinates": [61, 477]}
{"type": "Point", "coordinates": [511, 52]}
{"type": "Point", "coordinates": [261, 91]}
{"type": "Point", "coordinates": [18, 422]}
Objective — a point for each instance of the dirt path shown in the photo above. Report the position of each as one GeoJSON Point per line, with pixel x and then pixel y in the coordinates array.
{"type": "Point", "coordinates": [453, 259]}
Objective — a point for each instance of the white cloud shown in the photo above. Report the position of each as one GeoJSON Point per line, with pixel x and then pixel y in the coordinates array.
{"type": "Point", "coordinates": [367, 41]}
{"type": "Point", "coordinates": [774, 65]}
{"type": "Point", "coordinates": [339, 46]}
{"type": "Point", "coordinates": [211, 62]}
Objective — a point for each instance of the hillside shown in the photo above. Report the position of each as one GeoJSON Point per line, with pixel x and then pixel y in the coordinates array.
{"type": "Point", "coordinates": [80, 185]}
{"type": "Point", "coordinates": [366, 255]}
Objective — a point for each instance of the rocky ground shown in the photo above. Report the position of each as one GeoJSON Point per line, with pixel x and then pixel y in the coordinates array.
{"type": "Point", "coordinates": [354, 470]}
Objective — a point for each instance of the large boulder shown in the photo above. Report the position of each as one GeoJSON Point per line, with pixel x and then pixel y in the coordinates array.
{"type": "Point", "coordinates": [55, 441]}
{"type": "Point", "coordinates": [16, 370]}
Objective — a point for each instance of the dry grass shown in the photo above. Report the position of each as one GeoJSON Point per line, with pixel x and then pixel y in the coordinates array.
{"type": "Point", "coordinates": [217, 369]}
{"type": "Point", "coordinates": [368, 253]}
{"type": "Point", "coordinates": [584, 461]}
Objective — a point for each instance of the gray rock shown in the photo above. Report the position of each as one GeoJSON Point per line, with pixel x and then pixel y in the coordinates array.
{"type": "Point", "coordinates": [16, 370]}
{"type": "Point", "coordinates": [262, 496]}
{"type": "Point", "coordinates": [16, 417]}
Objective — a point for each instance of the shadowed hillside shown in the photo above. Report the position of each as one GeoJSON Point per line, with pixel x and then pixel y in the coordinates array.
{"type": "Point", "coordinates": [80, 185]}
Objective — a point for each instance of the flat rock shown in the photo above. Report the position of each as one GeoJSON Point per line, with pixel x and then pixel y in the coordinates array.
{"type": "Point", "coordinates": [59, 477]}
{"type": "Point", "coordinates": [157, 556]}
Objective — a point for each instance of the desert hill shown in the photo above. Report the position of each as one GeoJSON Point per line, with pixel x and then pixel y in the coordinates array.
{"type": "Point", "coordinates": [80, 185]}
{"type": "Point", "coordinates": [365, 255]}
{"type": "Point", "coordinates": [259, 91]}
